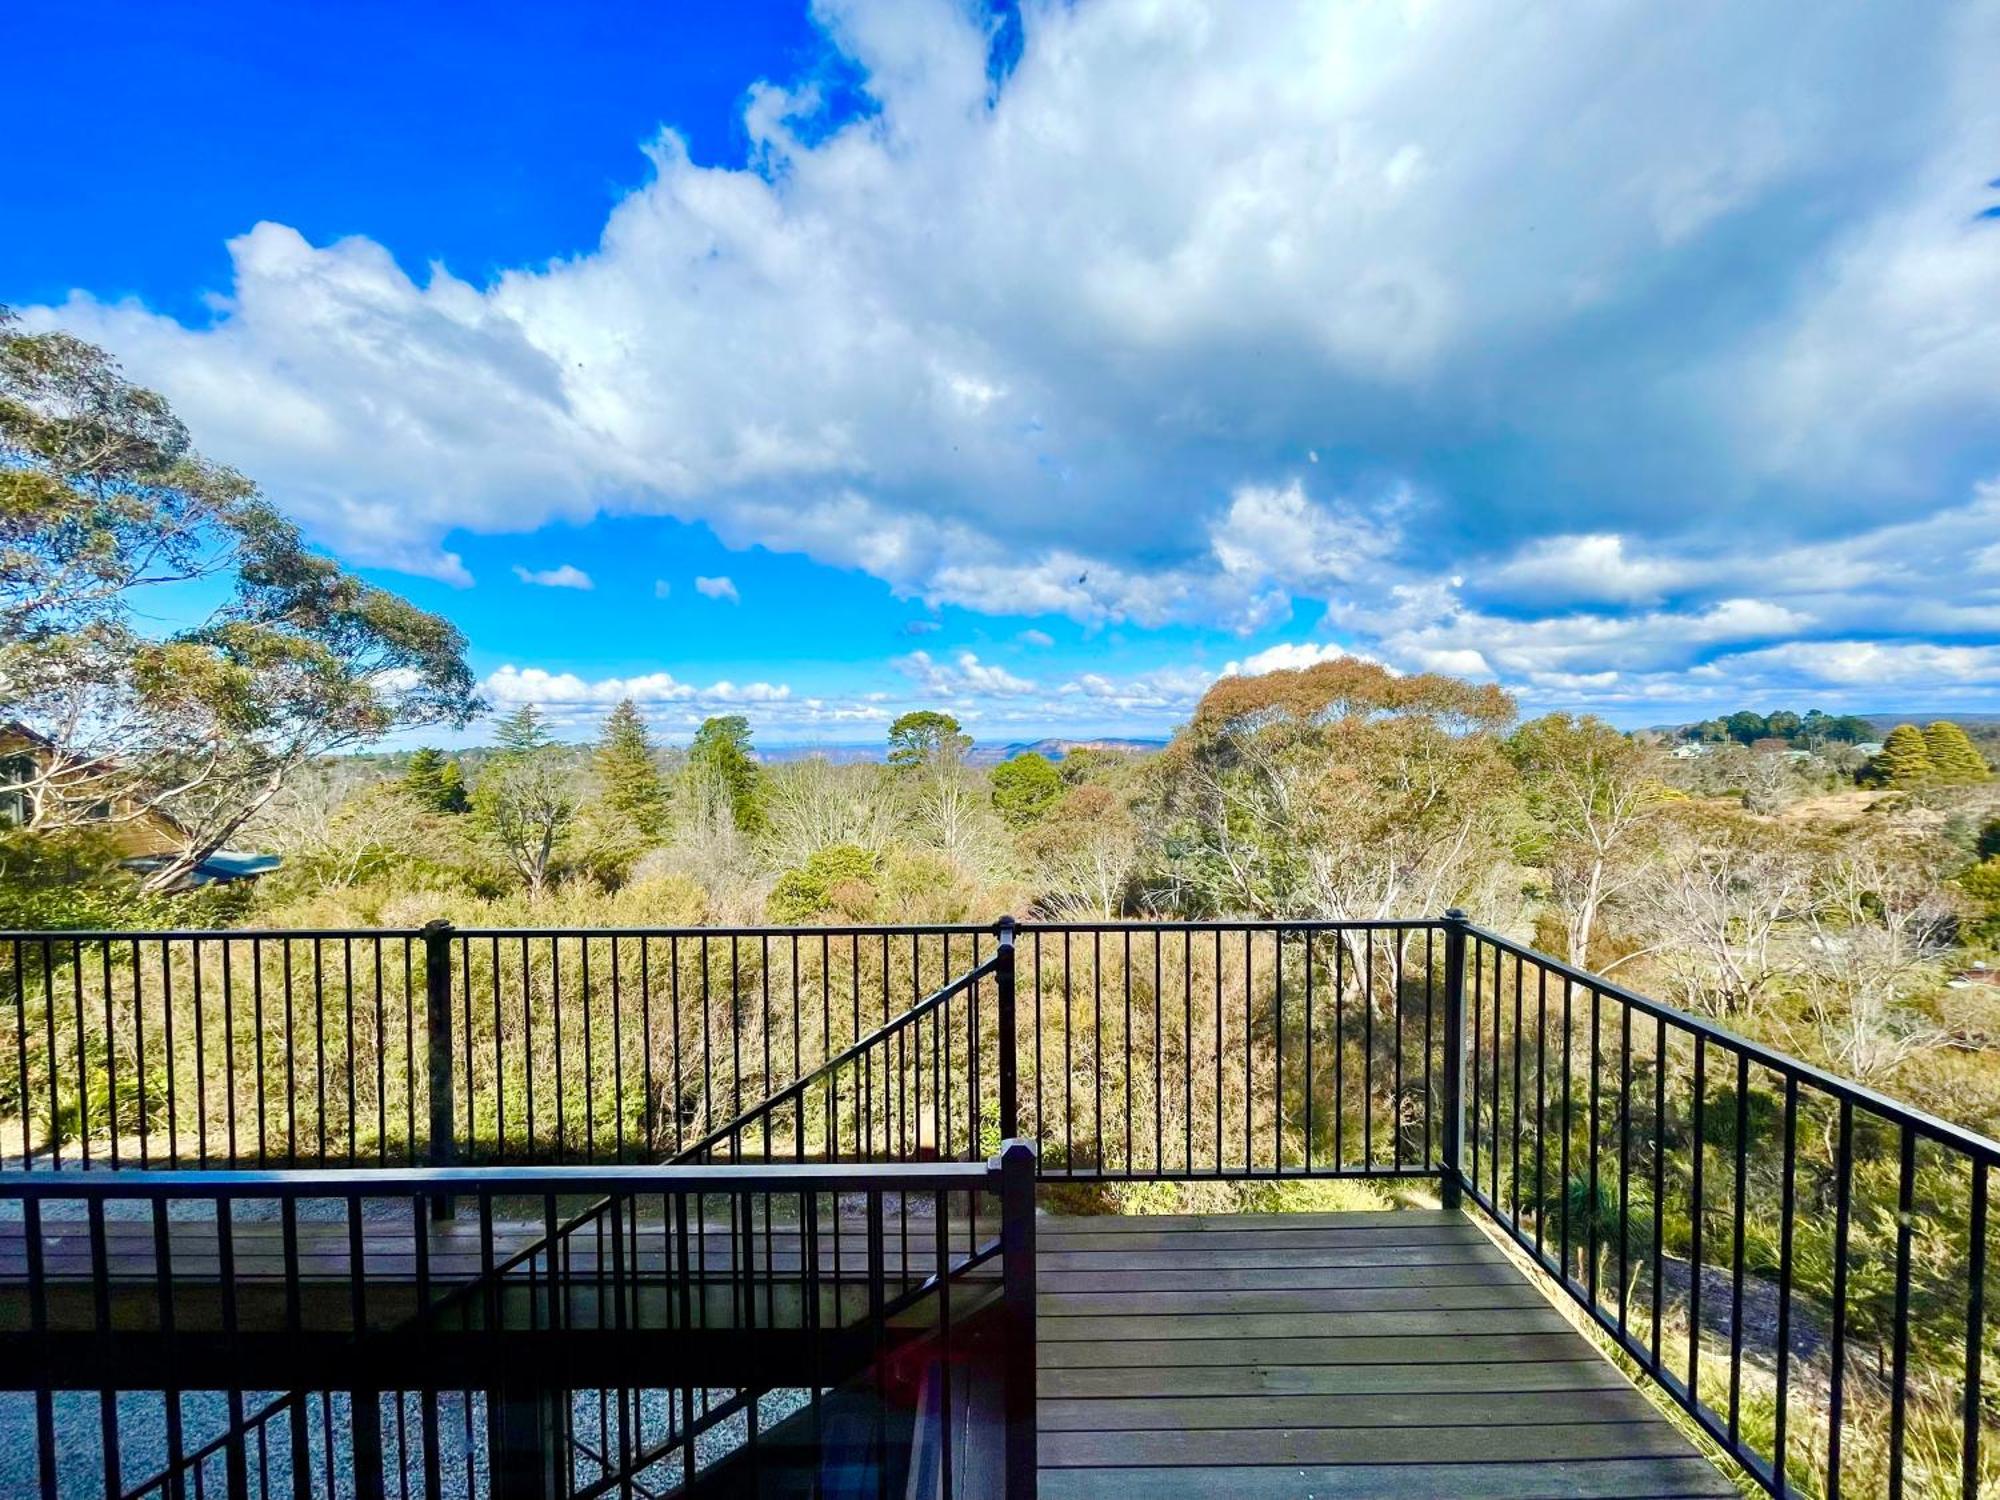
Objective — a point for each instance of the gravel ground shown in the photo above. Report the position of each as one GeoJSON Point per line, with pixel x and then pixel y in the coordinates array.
{"type": "Point", "coordinates": [204, 1416]}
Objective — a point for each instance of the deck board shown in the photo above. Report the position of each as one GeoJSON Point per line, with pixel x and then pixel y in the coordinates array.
{"type": "Point", "coordinates": [1327, 1355]}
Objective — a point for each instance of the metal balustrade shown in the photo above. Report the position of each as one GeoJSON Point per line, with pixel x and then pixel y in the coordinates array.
{"type": "Point", "coordinates": [1797, 1262]}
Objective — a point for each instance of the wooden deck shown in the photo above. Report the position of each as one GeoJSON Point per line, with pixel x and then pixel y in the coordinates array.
{"type": "Point", "coordinates": [1251, 1357]}
{"type": "Point", "coordinates": [1325, 1356]}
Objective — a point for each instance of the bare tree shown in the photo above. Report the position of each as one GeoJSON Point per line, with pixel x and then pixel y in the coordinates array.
{"type": "Point", "coordinates": [1880, 920]}
{"type": "Point", "coordinates": [1082, 855]}
{"type": "Point", "coordinates": [1597, 795]}
{"type": "Point", "coordinates": [1714, 914]}
{"type": "Point", "coordinates": [812, 804]}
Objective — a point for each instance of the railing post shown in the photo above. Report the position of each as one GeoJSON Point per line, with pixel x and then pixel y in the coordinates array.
{"type": "Point", "coordinates": [1017, 1297]}
{"type": "Point", "coordinates": [437, 1030]}
{"type": "Point", "coordinates": [365, 1423]}
{"type": "Point", "coordinates": [1003, 976]}
{"type": "Point", "coordinates": [523, 1423]}
{"type": "Point", "coordinates": [1452, 1136]}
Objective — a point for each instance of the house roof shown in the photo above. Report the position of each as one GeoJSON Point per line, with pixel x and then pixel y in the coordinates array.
{"type": "Point", "coordinates": [219, 868]}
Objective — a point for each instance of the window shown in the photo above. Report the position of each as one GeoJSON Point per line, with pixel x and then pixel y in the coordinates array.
{"type": "Point", "coordinates": [17, 774]}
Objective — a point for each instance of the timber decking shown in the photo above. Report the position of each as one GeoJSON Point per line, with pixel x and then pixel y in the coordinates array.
{"type": "Point", "coordinates": [1253, 1357]}
{"type": "Point", "coordinates": [1326, 1355]}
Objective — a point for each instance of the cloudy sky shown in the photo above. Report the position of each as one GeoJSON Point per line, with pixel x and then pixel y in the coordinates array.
{"type": "Point", "coordinates": [1045, 361]}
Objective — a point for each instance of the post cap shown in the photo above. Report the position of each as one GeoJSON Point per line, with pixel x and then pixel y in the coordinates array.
{"type": "Point", "coordinates": [1455, 914]}
{"type": "Point", "coordinates": [1016, 1151]}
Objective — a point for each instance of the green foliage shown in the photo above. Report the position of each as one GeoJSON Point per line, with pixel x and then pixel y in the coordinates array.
{"type": "Point", "coordinates": [1026, 788]}
{"type": "Point", "coordinates": [101, 498]}
{"type": "Point", "coordinates": [522, 730]}
{"type": "Point", "coordinates": [1982, 884]}
{"type": "Point", "coordinates": [435, 783]}
{"type": "Point", "coordinates": [1812, 731]}
{"type": "Point", "coordinates": [72, 879]}
{"type": "Point", "coordinates": [836, 881]}
{"type": "Point", "coordinates": [721, 755]}
{"type": "Point", "coordinates": [1905, 760]}
{"type": "Point", "coordinates": [1820, 729]}
{"type": "Point", "coordinates": [1746, 727]}
{"type": "Point", "coordinates": [1954, 759]}
{"type": "Point", "coordinates": [922, 736]}
{"type": "Point", "coordinates": [526, 798]}
{"type": "Point", "coordinates": [1086, 763]}
{"type": "Point", "coordinates": [628, 772]}
{"type": "Point", "coordinates": [1331, 790]}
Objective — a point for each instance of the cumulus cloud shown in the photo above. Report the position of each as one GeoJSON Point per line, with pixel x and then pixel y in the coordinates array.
{"type": "Point", "coordinates": [1345, 328]}
{"type": "Point", "coordinates": [717, 588]}
{"type": "Point", "coordinates": [565, 576]}
{"type": "Point", "coordinates": [964, 676]}
{"type": "Point", "coordinates": [662, 589]}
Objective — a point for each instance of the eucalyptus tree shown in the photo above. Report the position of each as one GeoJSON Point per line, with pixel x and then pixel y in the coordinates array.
{"type": "Point", "coordinates": [103, 502]}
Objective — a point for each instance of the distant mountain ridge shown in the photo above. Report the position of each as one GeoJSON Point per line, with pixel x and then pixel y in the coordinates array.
{"type": "Point", "coordinates": [1056, 749]}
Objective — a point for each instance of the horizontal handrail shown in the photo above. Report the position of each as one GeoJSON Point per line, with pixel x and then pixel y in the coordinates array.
{"type": "Point", "coordinates": [845, 929]}
{"type": "Point", "coordinates": [400, 1182]}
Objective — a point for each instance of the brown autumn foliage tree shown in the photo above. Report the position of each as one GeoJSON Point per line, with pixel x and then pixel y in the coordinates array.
{"type": "Point", "coordinates": [1340, 790]}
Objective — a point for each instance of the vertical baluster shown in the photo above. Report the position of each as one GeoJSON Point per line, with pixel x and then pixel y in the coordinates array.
{"type": "Point", "coordinates": [617, 1054]}
{"type": "Point", "coordinates": [1698, 1217]}
{"type": "Point", "coordinates": [113, 1126]}
{"type": "Point", "coordinates": [1659, 1175]}
{"type": "Point", "coordinates": [1736, 1247]}
{"type": "Point", "coordinates": [1568, 1120]}
{"type": "Point", "coordinates": [1975, 1334]}
{"type": "Point", "coordinates": [1514, 1108]}
{"type": "Point", "coordinates": [1786, 1202]}
{"type": "Point", "coordinates": [586, 1004]}
{"type": "Point", "coordinates": [1899, 1375]}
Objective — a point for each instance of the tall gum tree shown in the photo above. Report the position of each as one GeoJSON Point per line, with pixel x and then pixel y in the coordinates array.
{"type": "Point", "coordinates": [104, 499]}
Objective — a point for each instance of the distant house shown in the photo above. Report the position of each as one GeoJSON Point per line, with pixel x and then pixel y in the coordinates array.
{"type": "Point", "coordinates": [1690, 750]}
{"type": "Point", "coordinates": [1870, 748]}
{"type": "Point", "coordinates": [145, 837]}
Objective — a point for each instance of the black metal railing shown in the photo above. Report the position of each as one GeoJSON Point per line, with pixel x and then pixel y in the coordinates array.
{"type": "Point", "coordinates": [1134, 1050]}
{"type": "Point", "coordinates": [1179, 1050]}
{"type": "Point", "coordinates": [868, 1102]}
{"type": "Point", "coordinates": [516, 1349]}
{"type": "Point", "coordinates": [1798, 1261]}
{"type": "Point", "coordinates": [438, 1045]}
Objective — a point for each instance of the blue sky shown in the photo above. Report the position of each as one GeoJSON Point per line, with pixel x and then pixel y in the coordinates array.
{"type": "Point", "coordinates": [1044, 363]}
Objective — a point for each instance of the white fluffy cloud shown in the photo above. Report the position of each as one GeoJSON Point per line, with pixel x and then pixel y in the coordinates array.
{"type": "Point", "coordinates": [565, 576]}
{"type": "Point", "coordinates": [1243, 305]}
{"type": "Point", "coordinates": [718, 588]}
{"type": "Point", "coordinates": [965, 678]}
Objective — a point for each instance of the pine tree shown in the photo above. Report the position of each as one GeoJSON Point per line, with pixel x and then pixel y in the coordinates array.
{"type": "Point", "coordinates": [452, 797]}
{"type": "Point", "coordinates": [521, 730]}
{"type": "Point", "coordinates": [720, 754]}
{"type": "Point", "coordinates": [435, 783]}
{"type": "Point", "coordinates": [1955, 760]}
{"type": "Point", "coordinates": [423, 778]}
{"type": "Point", "coordinates": [1905, 759]}
{"type": "Point", "coordinates": [629, 774]}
